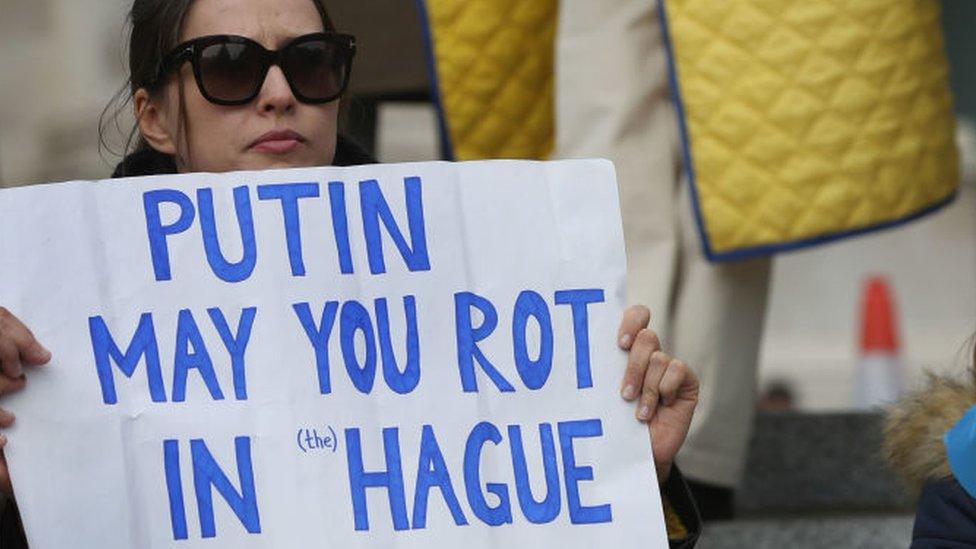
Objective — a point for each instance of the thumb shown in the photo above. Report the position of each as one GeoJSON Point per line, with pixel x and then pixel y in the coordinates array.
{"type": "Point", "coordinates": [6, 488]}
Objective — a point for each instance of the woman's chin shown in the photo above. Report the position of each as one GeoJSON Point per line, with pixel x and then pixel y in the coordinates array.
{"type": "Point", "coordinates": [257, 161]}
{"type": "Point", "coordinates": [264, 161]}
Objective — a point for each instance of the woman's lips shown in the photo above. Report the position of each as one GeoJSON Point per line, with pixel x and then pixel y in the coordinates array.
{"type": "Point", "coordinates": [277, 142]}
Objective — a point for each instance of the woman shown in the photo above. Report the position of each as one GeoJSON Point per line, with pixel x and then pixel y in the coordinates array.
{"type": "Point", "coordinates": [220, 85]}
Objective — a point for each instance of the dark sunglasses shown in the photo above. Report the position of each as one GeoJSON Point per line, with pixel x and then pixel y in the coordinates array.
{"type": "Point", "coordinates": [230, 70]}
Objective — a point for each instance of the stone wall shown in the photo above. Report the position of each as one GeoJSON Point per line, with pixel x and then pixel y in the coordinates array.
{"type": "Point", "coordinates": [60, 61]}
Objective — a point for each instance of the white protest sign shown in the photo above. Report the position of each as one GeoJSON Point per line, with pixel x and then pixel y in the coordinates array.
{"type": "Point", "coordinates": [413, 355]}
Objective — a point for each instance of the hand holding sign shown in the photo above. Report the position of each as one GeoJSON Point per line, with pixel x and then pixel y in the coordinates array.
{"type": "Point", "coordinates": [667, 388]}
{"type": "Point", "coordinates": [18, 348]}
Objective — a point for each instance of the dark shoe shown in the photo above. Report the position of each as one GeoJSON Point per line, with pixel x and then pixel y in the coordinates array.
{"type": "Point", "coordinates": [714, 502]}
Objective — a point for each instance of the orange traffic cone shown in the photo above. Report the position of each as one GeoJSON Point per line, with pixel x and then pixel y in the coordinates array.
{"type": "Point", "coordinates": [879, 377]}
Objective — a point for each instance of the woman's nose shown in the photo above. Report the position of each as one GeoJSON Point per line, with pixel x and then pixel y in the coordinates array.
{"type": "Point", "coordinates": [276, 94]}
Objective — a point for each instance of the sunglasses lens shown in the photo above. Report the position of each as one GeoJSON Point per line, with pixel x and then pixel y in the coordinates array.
{"type": "Point", "coordinates": [231, 71]}
{"type": "Point", "coordinates": [317, 68]}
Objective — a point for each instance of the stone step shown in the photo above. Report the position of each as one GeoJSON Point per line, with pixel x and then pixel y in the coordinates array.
{"type": "Point", "coordinates": [801, 463]}
{"type": "Point", "coordinates": [862, 532]}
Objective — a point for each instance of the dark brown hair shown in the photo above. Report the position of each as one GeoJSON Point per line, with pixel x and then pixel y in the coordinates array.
{"type": "Point", "coordinates": [155, 27]}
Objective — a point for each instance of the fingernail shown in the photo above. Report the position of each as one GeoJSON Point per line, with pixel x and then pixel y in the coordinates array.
{"type": "Point", "coordinates": [629, 392]}
{"type": "Point", "coordinates": [3, 441]}
{"type": "Point", "coordinates": [644, 413]}
{"type": "Point", "coordinates": [625, 341]}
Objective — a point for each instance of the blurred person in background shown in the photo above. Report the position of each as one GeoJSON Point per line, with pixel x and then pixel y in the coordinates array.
{"type": "Point", "coordinates": [778, 396]}
{"type": "Point", "coordinates": [930, 440]}
{"type": "Point", "coordinates": [613, 100]}
{"type": "Point", "coordinates": [740, 130]}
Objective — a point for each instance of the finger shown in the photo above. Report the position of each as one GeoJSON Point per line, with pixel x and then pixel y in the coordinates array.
{"type": "Point", "coordinates": [10, 365]}
{"type": "Point", "coordinates": [11, 385]}
{"type": "Point", "coordinates": [6, 419]}
{"type": "Point", "coordinates": [31, 351]}
{"type": "Point", "coordinates": [5, 485]}
{"type": "Point", "coordinates": [635, 319]}
{"type": "Point", "coordinates": [652, 385]}
{"type": "Point", "coordinates": [675, 376]}
{"type": "Point", "coordinates": [645, 344]}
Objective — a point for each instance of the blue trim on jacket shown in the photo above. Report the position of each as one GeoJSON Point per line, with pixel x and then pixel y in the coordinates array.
{"type": "Point", "coordinates": [447, 148]}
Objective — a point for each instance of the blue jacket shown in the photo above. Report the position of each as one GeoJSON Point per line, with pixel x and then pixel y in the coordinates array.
{"type": "Point", "coordinates": [946, 517]}
{"type": "Point", "coordinates": [914, 445]}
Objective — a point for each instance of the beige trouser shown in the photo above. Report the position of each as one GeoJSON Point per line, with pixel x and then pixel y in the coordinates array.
{"type": "Point", "coordinates": [613, 100]}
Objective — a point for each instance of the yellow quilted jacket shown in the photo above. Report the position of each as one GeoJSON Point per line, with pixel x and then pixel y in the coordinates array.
{"type": "Point", "coordinates": [803, 121]}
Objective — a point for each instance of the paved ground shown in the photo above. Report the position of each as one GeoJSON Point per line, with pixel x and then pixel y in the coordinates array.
{"type": "Point", "coordinates": [868, 532]}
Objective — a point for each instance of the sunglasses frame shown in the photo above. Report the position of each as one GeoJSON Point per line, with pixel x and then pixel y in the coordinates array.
{"type": "Point", "coordinates": [192, 50]}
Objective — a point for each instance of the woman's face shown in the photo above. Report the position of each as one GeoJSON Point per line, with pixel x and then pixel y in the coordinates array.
{"type": "Point", "coordinates": [274, 130]}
